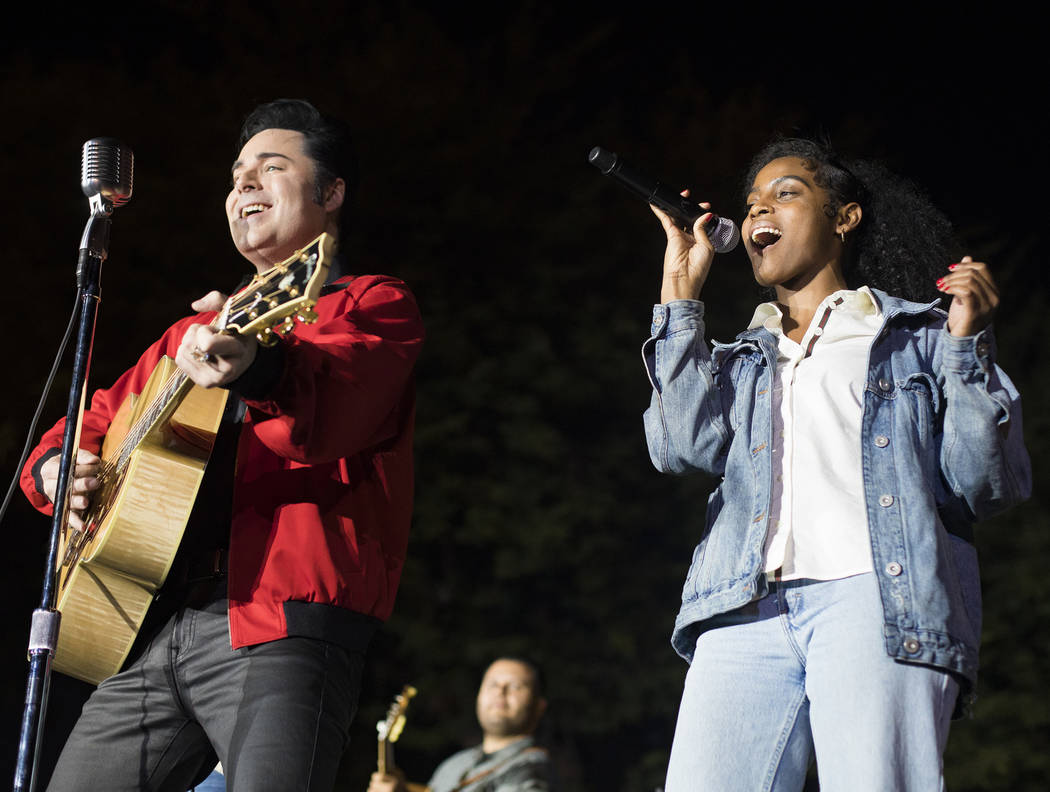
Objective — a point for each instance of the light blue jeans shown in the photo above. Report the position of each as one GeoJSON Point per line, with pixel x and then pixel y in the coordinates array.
{"type": "Point", "coordinates": [216, 782]}
{"type": "Point", "coordinates": [804, 671]}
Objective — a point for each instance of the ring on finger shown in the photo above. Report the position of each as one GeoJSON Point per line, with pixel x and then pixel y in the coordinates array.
{"type": "Point", "coordinates": [201, 356]}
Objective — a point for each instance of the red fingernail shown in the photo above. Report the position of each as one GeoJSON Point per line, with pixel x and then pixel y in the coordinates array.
{"type": "Point", "coordinates": [953, 266]}
{"type": "Point", "coordinates": [940, 284]}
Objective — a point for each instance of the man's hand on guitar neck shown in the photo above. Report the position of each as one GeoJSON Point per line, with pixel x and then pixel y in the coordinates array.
{"type": "Point", "coordinates": [85, 480]}
{"type": "Point", "coordinates": [395, 782]}
{"type": "Point", "coordinates": [210, 358]}
{"type": "Point", "coordinates": [387, 782]}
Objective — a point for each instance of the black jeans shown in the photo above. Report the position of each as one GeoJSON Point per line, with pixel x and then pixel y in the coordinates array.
{"type": "Point", "coordinates": [276, 715]}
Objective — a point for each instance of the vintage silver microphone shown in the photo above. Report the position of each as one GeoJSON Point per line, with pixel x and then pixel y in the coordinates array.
{"type": "Point", "coordinates": [107, 171]}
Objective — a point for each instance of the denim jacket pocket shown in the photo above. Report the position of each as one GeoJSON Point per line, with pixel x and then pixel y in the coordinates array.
{"type": "Point", "coordinates": [926, 401]}
{"type": "Point", "coordinates": [725, 356]}
{"type": "Point", "coordinates": [735, 367]}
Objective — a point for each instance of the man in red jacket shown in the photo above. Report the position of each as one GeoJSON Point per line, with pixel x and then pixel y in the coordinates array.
{"type": "Point", "coordinates": [293, 553]}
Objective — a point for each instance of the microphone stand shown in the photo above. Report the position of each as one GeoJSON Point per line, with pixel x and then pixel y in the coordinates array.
{"type": "Point", "coordinates": [43, 632]}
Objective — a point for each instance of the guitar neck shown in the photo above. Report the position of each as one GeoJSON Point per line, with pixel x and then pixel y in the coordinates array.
{"type": "Point", "coordinates": [159, 411]}
{"type": "Point", "coordinates": [289, 289]}
{"type": "Point", "coordinates": [386, 766]}
{"type": "Point", "coordinates": [385, 760]}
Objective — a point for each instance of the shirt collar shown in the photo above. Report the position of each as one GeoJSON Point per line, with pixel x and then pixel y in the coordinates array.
{"type": "Point", "coordinates": [861, 302]}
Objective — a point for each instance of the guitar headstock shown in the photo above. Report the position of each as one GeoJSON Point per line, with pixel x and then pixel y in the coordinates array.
{"type": "Point", "coordinates": [390, 728]}
{"type": "Point", "coordinates": [281, 294]}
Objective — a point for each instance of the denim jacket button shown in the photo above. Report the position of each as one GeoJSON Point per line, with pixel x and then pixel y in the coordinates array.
{"type": "Point", "coordinates": [659, 318]}
{"type": "Point", "coordinates": [893, 568]}
{"type": "Point", "coordinates": [885, 500]}
{"type": "Point", "coordinates": [885, 385]}
{"type": "Point", "coordinates": [983, 348]}
{"type": "Point", "coordinates": [882, 441]}
{"type": "Point", "coordinates": [911, 646]}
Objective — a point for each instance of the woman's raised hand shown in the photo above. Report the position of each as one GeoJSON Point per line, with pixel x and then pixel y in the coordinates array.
{"type": "Point", "coordinates": [974, 296]}
{"type": "Point", "coordinates": [687, 259]}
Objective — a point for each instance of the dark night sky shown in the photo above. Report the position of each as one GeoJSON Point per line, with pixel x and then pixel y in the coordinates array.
{"type": "Point", "coordinates": [473, 130]}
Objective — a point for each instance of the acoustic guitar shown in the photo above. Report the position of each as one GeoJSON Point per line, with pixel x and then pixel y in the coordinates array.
{"type": "Point", "coordinates": [153, 460]}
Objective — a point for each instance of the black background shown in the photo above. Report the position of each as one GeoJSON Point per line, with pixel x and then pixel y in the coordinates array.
{"type": "Point", "coordinates": [540, 525]}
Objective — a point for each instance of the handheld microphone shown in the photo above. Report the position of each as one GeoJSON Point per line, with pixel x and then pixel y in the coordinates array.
{"type": "Point", "coordinates": [107, 169]}
{"type": "Point", "coordinates": [722, 231]}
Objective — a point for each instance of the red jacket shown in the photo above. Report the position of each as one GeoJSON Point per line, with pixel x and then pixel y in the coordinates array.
{"type": "Point", "coordinates": [323, 487]}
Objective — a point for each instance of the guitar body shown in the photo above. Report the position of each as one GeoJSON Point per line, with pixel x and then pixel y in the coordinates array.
{"type": "Point", "coordinates": [139, 518]}
{"type": "Point", "coordinates": [153, 460]}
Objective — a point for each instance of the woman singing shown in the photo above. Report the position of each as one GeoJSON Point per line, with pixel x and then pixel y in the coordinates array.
{"type": "Point", "coordinates": [832, 607]}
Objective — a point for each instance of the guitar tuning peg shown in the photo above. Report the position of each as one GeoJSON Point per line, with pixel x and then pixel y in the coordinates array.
{"type": "Point", "coordinates": [307, 315]}
{"type": "Point", "coordinates": [266, 337]}
{"type": "Point", "coordinates": [288, 325]}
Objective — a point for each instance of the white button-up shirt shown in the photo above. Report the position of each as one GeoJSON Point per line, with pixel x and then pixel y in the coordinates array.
{"type": "Point", "coordinates": [818, 524]}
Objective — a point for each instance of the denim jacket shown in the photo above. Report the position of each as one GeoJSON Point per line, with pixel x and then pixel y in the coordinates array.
{"type": "Point", "coordinates": [941, 448]}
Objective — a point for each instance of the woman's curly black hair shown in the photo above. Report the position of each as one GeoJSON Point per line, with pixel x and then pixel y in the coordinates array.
{"type": "Point", "coordinates": [903, 243]}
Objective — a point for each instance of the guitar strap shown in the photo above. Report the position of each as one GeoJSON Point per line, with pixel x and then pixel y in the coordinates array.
{"type": "Point", "coordinates": [332, 288]}
{"type": "Point", "coordinates": [464, 783]}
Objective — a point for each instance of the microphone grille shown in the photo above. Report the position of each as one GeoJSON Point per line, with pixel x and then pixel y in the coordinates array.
{"type": "Point", "coordinates": [107, 167]}
{"type": "Point", "coordinates": [724, 236]}
{"type": "Point", "coordinates": [602, 159]}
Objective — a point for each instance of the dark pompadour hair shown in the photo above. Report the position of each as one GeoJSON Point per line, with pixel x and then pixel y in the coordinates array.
{"type": "Point", "coordinates": [328, 141]}
{"type": "Point", "coordinates": [903, 243]}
